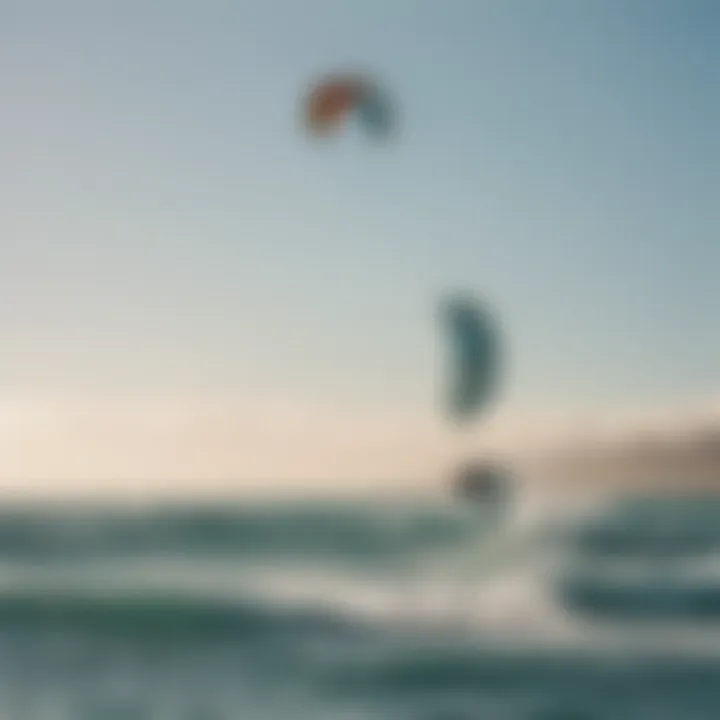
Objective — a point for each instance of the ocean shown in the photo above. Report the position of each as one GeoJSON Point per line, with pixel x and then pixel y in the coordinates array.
{"type": "Point", "coordinates": [379, 609]}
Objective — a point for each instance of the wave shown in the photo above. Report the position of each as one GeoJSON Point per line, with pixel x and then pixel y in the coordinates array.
{"type": "Point", "coordinates": [653, 527]}
{"type": "Point", "coordinates": [215, 570]}
{"type": "Point", "coordinates": [426, 672]}
{"type": "Point", "coordinates": [644, 600]}
{"type": "Point", "coordinates": [154, 616]}
{"type": "Point", "coordinates": [350, 531]}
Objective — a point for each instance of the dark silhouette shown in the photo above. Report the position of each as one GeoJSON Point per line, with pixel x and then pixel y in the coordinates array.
{"type": "Point", "coordinates": [481, 482]}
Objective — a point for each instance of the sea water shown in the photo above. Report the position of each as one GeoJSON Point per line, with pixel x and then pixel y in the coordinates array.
{"type": "Point", "coordinates": [359, 609]}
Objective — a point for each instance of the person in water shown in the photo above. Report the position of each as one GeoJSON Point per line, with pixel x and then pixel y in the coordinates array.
{"type": "Point", "coordinates": [481, 483]}
{"type": "Point", "coordinates": [480, 492]}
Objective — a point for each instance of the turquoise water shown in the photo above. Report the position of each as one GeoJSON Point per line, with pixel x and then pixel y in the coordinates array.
{"type": "Point", "coordinates": [359, 610]}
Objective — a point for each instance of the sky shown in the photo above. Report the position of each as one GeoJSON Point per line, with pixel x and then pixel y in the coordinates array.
{"type": "Point", "coordinates": [191, 289]}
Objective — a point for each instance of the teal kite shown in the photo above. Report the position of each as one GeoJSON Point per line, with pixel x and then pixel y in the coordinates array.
{"type": "Point", "coordinates": [474, 372]}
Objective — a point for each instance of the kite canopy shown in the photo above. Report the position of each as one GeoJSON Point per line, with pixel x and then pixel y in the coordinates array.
{"type": "Point", "coordinates": [335, 98]}
{"type": "Point", "coordinates": [475, 357]}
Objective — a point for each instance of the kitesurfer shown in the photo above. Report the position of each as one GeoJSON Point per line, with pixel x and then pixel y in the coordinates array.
{"type": "Point", "coordinates": [483, 487]}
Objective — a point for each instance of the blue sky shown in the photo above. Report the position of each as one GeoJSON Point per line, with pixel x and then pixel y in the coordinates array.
{"type": "Point", "coordinates": [167, 227]}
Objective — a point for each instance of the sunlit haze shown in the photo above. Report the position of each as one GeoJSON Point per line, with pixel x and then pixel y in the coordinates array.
{"type": "Point", "coordinates": [193, 292]}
